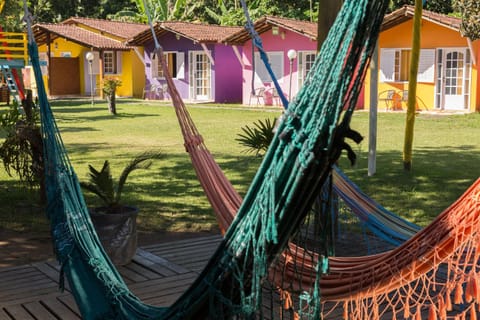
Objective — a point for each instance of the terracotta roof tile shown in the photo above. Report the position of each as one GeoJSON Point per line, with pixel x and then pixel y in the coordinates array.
{"type": "Point", "coordinates": [407, 12]}
{"type": "Point", "coordinates": [75, 34]}
{"type": "Point", "coordinates": [199, 32]}
{"type": "Point", "coordinates": [306, 28]}
{"type": "Point", "coordinates": [124, 30]}
{"type": "Point", "coordinates": [202, 33]}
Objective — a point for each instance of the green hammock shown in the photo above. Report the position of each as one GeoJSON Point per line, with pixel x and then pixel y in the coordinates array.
{"type": "Point", "coordinates": [308, 141]}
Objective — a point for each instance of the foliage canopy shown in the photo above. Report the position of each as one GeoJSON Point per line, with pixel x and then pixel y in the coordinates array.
{"type": "Point", "coordinates": [225, 12]}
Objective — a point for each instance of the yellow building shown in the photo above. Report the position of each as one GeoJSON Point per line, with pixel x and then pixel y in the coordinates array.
{"type": "Point", "coordinates": [65, 48]}
{"type": "Point", "coordinates": [448, 77]}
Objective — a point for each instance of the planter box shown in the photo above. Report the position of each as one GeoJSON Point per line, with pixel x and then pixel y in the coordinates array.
{"type": "Point", "coordinates": [117, 233]}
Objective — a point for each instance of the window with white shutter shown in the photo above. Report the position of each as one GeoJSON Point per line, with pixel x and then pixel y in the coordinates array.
{"type": "Point", "coordinates": [175, 64]}
{"type": "Point", "coordinates": [276, 63]}
{"type": "Point", "coordinates": [395, 65]}
{"type": "Point", "coordinates": [426, 66]}
{"type": "Point", "coordinates": [119, 62]}
{"type": "Point", "coordinates": [180, 65]}
{"type": "Point", "coordinates": [387, 65]}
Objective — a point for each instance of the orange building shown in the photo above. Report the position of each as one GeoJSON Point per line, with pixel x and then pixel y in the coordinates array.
{"type": "Point", "coordinates": [448, 77]}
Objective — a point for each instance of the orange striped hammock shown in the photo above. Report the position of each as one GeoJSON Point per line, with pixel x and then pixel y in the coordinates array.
{"type": "Point", "coordinates": [421, 279]}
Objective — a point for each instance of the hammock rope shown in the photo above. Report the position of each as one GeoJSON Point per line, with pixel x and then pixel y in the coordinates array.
{"type": "Point", "coordinates": [357, 301]}
{"type": "Point", "coordinates": [257, 43]}
{"type": "Point", "coordinates": [291, 175]}
{"type": "Point", "coordinates": [383, 223]}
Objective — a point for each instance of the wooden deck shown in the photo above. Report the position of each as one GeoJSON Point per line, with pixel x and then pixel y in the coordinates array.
{"type": "Point", "coordinates": [158, 275]}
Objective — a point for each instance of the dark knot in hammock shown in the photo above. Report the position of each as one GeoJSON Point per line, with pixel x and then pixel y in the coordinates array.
{"type": "Point", "coordinates": [193, 142]}
{"type": "Point", "coordinates": [294, 125]}
{"type": "Point", "coordinates": [342, 132]}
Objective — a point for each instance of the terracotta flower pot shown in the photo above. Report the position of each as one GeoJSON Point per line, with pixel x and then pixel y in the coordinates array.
{"type": "Point", "coordinates": [117, 233]}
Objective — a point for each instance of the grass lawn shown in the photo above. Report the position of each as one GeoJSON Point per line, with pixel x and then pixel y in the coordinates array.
{"type": "Point", "coordinates": [446, 161]}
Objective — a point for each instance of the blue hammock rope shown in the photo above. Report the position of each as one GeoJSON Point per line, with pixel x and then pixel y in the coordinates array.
{"type": "Point", "coordinates": [257, 43]}
{"type": "Point", "coordinates": [382, 222]}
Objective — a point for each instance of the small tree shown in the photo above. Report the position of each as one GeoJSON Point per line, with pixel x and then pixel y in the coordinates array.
{"type": "Point", "coordinates": [412, 88]}
{"type": "Point", "coordinates": [22, 150]}
{"type": "Point", "coordinates": [470, 11]}
{"type": "Point", "coordinates": [110, 86]}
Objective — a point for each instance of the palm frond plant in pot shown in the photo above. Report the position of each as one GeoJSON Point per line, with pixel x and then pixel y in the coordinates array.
{"type": "Point", "coordinates": [115, 222]}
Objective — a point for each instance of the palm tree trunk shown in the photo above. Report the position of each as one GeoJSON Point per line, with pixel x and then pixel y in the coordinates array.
{"type": "Point", "coordinates": [412, 88]}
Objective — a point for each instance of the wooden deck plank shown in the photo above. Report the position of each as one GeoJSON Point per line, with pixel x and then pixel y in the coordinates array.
{"type": "Point", "coordinates": [38, 310]}
{"type": "Point", "coordinates": [209, 244]}
{"type": "Point", "coordinates": [196, 266]}
{"type": "Point", "coordinates": [169, 286]}
{"type": "Point", "coordinates": [18, 312]}
{"type": "Point", "coordinates": [69, 302]}
{"type": "Point", "coordinates": [20, 282]}
{"type": "Point", "coordinates": [60, 309]}
{"type": "Point", "coordinates": [47, 269]}
{"type": "Point", "coordinates": [167, 245]}
{"type": "Point", "coordinates": [31, 298]}
{"type": "Point", "coordinates": [185, 254]}
{"type": "Point", "coordinates": [158, 263]}
{"type": "Point", "coordinates": [4, 315]}
{"type": "Point", "coordinates": [139, 269]}
{"type": "Point", "coordinates": [15, 274]}
{"type": "Point", "coordinates": [130, 276]}
{"type": "Point", "coordinates": [16, 283]}
{"type": "Point", "coordinates": [36, 289]}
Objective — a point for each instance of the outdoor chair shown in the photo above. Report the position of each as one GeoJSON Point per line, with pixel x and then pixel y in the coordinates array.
{"type": "Point", "coordinates": [276, 97]}
{"type": "Point", "coordinates": [387, 96]}
{"type": "Point", "coordinates": [418, 100]}
{"type": "Point", "coordinates": [154, 92]}
{"type": "Point", "coordinates": [259, 95]}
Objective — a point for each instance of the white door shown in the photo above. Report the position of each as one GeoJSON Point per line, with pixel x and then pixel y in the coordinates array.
{"type": "Point", "coordinates": [454, 79]}
{"type": "Point", "coordinates": [200, 76]}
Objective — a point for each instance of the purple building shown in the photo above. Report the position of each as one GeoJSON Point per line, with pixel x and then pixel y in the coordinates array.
{"type": "Point", "coordinates": [291, 49]}
{"type": "Point", "coordinates": [203, 67]}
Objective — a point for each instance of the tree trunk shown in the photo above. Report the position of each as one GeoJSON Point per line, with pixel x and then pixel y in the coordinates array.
{"type": "Point", "coordinates": [112, 107]}
{"type": "Point", "coordinates": [412, 88]}
{"type": "Point", "coordinates": [327, 12]}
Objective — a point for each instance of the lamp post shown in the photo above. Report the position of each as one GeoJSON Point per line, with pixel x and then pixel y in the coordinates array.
{"type": "Point", "coordinates": [89, 56]}
{"type": "Point", "coordinates": [291, 54]}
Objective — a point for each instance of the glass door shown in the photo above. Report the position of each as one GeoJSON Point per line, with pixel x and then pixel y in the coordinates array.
{"type": "Point", "coordinates": [200, 80]}
{"type": "Point", "coordinates": [454, 79]}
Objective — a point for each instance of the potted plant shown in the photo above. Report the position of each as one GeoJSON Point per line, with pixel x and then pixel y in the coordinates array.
{"type": "Point", "coordinates": [114, 221]}
{"type": "Point", "coordinates": [110, 86]}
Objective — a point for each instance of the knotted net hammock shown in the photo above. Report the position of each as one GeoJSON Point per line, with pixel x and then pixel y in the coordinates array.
{"type": "Point", "coordinates": [354, 284]}
{"type": "Point", "coordinates": [290, 177]}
